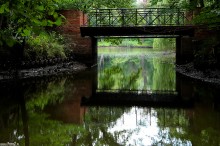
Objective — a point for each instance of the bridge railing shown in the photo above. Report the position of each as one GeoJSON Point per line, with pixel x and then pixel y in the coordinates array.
{"type": "Point", "coordinates": [136, 17]}
{"type": "Point", "coordinates": [138, 92]}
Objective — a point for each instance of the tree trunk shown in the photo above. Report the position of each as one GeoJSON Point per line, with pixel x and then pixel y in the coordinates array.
{"type": "Point", "coordinates": [201, 3]}
{"type": "Point", "coordinates": [193, 3]}
{"type": "Point", "coordinates": [1, 20]}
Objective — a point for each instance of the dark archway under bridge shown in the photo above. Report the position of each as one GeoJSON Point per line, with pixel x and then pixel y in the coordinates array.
{"type": "Point", "coordinates": [184, 36]}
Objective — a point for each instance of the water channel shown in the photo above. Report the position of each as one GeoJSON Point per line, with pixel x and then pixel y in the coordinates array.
{"type": "Point", "coordinates": [128, 99]}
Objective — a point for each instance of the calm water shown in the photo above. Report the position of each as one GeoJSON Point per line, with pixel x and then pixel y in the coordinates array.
{"type": "Point", "coordinates": [90, 107]}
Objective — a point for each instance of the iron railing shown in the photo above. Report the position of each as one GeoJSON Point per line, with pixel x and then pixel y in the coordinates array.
{"type": "Point", "coordinates": [136, 17]}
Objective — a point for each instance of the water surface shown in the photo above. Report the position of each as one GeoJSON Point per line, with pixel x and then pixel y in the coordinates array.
{"type": "Point", "coordinates": [50, 111]}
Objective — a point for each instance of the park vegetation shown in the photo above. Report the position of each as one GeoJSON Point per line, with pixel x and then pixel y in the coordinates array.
{"type": "Point", "coordinates": [25, 26]}
{"type": "Point", "coordinates": [206, 16]}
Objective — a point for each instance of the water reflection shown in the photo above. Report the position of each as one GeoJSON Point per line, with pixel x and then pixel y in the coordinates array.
{"type": "Point", "coordinates": [148, 127]}
{"type": "Point", "coordinates": [149, 71]}
{"type": "Point", "coordinates": [49, 111]}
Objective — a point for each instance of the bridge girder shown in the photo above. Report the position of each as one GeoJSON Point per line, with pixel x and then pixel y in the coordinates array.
{"type": "Point", "coordinates": [138, 31]}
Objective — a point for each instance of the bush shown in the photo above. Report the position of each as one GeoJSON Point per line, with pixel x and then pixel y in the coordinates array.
{"type": "Point", "coordinates": [45, 45]}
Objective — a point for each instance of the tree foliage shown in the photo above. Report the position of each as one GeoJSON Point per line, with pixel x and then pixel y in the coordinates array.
{"type": "Point", "coordinates": [85, 5]}
{"type": "Point", "coordinates": [20, 18]}
{"type": "Point", "coordinates": [209, 17]}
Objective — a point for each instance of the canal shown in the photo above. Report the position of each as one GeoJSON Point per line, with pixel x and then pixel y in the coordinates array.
{"type": "Point", "coordinates": [129, 99]}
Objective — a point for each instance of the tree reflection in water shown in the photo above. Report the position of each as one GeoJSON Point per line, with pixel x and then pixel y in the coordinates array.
{"type": "Point", "coordinates": [103, 125]}
{"type": "Point", "coordinates": [137, 73]}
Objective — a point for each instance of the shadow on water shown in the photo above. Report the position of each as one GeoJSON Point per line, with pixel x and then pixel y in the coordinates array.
{"type": "Point", "coordinates": [135, 101]}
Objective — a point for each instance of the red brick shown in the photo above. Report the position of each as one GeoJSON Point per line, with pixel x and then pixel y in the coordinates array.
{"type": "Point", "coordinates": [71, 29]}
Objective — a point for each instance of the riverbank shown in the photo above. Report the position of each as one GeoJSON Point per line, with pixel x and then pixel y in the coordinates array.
{"type": "Point", "coordinates": [208, 76]}
{"type": "Point", "coordinates": [60, 68]}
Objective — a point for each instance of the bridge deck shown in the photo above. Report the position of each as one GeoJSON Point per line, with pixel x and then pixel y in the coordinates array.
{"type": "Point", "coordinates": [137, 31]}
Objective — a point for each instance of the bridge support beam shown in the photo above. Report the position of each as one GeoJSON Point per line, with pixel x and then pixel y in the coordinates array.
{"type": "Point", "coordinates": [178, 50]}
{"type": "Point", "coordinates": [94, 50]}
{"type": "Point", "coordinates": [184, 50]}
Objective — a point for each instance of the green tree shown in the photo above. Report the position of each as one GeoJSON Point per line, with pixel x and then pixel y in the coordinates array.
{"type": "Point", "coordinates": [85, 5]}
{"type": "Point", "coordinates": [20, 18]}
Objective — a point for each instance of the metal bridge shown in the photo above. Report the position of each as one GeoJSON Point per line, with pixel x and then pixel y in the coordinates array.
{"type": "Point", "coordinates": [136, 22]}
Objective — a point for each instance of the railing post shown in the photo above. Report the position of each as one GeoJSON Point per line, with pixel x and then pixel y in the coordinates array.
{"type": "Point", "coordinates": [109, 17]}
{"type": "Point", "coordinates": [136, 17]}
{"type": "Point", "coordinates": [96, 18]}
{"type": "Point", "coordinates": [158, 17]}
{"type": "Point", "coordinates": [123, 17]}
{"type": "Point", "coordinates": [164, 17]}
{"type": "Point", "coordinates": [150, 17]}
{"type": "Point", "coordinates": [171, 18]}
{"type": "Point", "coordinates": [178, 16]}
{"type": "Point", "coordinates": [183, 15]}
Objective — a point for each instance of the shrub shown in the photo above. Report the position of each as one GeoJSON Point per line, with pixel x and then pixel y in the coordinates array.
{"type": "Point", "coordinates": [45, 45]}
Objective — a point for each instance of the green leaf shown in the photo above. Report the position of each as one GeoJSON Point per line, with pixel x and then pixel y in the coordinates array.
{"type": "Point", "coordinates": [50, 23]}
{"type": "Point", "coordinates": [40, 8]}
{"type": "Point", "coordinates": [20, 29]}
{"type": "Point", "coordinates": [55, 15]}
{"type": "Point", "coordinates": [26, 32]}
{"type": "Point", "coordinates": [10, 42]}
{"type": "Point", "coordinates": [36, 21]}
{"type": "Point", "coordinates": [44, 23]}
{"type": "Point", "coordinates": [4, 7]}
{"type": "Point", "coordinates": [58, 21]}
{"type": "Point", "coordinates": [51, 12]}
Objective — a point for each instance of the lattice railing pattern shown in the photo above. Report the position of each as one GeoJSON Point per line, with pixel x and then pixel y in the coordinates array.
{"type": "Point", "coordinates": [136, 17]}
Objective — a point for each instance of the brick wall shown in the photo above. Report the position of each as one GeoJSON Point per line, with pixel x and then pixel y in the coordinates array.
{"type": "Point", "coordinates": [70, 110]}
{"type": "Point", "coordinates": [71, 30]}
{"type": "Point", "coordinates": [205, 33]}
